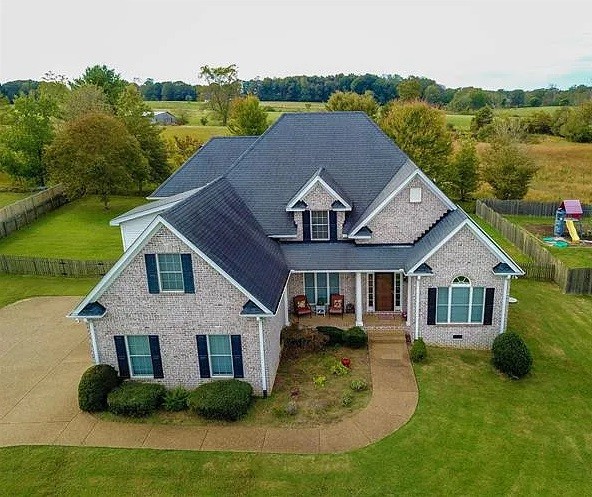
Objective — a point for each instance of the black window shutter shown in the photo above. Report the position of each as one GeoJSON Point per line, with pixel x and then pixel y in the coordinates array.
{"type": "Point", "coordinates": [488, 314]}
{"type": "Point", "coordinates": [152, 273]}
{"type": "Point", "coordinates": [156, 359]}
{"type": "Point", "coordinates": [432, 296]}
{"type": "Point", "coordinates": [202, 356]}
{"type": "Point", "coordinates": [333, 225]}
{"type": "Point", "coordinates": [187, 273]}
{"type": "Point", "coordinates": [237, 356]}
{"type": "Point", "coordinates": [306, 226]}
{"type": "Point", "coordinates": [121, 352]}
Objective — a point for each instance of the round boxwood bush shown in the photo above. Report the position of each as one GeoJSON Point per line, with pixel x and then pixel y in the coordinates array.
{"type": "Point", "coordinates": [355, 337]}
{"type": "Point", "coordinates": [221, 399]}
{"type": "Point", "coordinates": [335, 334]}
{"type": "Point", "coordinates": [418, 351]}
{"type": "Point", "coordinates": [95, 383]}
{"type": "Point", "coordinates": [511, 355]}
{"type": "Point", "coordinates": [136, 399]}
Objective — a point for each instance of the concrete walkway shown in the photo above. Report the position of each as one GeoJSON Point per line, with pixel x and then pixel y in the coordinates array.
{"type": "Point", "coordinates": [43, 355]}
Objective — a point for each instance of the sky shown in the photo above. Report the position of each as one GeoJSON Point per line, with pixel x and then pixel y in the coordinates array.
{"type": "Point", "coordinates": [491, 44]}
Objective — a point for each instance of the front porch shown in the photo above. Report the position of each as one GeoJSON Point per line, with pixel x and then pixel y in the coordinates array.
{"type": "Point", "coordinates": [372, 321]}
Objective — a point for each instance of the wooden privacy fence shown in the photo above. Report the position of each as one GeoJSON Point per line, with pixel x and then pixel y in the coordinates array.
{"type": "Point", "coordinates": [23, 212]}
{"type": "Point", "coordinates": [529, 207]}
{"type": "Point", "coordinates": [14, 264]}
{"type": "Point", "coordinates": [545, 265]}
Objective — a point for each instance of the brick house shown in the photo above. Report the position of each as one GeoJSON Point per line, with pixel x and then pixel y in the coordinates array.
{"type": "Point", "coordinates": [320, 204]}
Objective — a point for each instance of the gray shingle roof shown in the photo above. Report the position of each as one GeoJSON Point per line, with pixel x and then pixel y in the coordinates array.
{"type": "Point", "coordinates": [217, 222]}
{"type": "Point", "coordinates": [209, 162]}
{"type": "Point", "coordinates": [347, 145]}
{"type": "Point", "coordinates": [344, 256]}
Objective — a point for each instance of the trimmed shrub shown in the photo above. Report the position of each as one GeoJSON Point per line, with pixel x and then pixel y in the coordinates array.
{"type": "Point", "coordinates": [136, 399]}
{"type": "Point", "coordinates": [418, 351]}
{"type": "Point", "coordinates": [95, 383]}
{"type": "Point", "coordinates": [355, 337]}
{"type": "Point", "coordinates": [176, 399]}
{"type": "Point", "coordinates": [221, 399]}
{"type": "Point", "coordinates": [511, 355]}
{"type": "Point", "coordinates": [335, 334]}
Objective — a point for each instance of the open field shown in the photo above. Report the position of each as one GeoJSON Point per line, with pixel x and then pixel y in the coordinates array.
{"type": "Point", "coordinates": [10, 197]}
{"type": "Point", "coordinates": [461, 122]}
{"type": "Point", "coordinates": [202, 133]}
{"type": "Point", "coordinates": [78, 230]}
{"type": "Point", "coordinates": [474, 433]}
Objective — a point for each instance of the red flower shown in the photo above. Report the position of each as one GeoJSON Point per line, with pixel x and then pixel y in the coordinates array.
{"type": "Point", "coordinates": [346, 361]}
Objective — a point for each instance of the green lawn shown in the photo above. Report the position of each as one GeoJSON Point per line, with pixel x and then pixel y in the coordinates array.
{"type": "Point", "coordinates": [461, 122]}
{"type": "Point", "coordinates": [17, 287]}
{"type": "Point", "coordinates": [202, 133]}
{"type": "Point", "coordinates": [10, 197]}
{"type": "Point", "coordinates": [78, 230]}
{"type": "Point", "coordinates": [474, 433]}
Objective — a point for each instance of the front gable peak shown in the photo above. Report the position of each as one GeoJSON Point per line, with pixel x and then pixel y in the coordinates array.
{"type": "Point", "coordinates": [322, 182]}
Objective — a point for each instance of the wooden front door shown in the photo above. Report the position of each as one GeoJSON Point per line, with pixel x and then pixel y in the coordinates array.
{"type": "Point", "coordinates": [384, 291]}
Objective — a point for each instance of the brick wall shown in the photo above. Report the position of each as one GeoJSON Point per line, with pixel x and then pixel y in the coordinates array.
{"type": "Point", "coordinates": [463, 255]}
{"type": "Point", "coordinates": [177, 318]}
{"type": "Point", "coordinates": [401, 221]}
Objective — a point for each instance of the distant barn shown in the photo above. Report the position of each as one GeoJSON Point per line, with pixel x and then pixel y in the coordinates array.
{"type": "Point", "coordinates": [164, 117]}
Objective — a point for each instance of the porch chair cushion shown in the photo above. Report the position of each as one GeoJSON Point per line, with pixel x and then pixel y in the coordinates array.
{"type": "Point", "coordinates": [301, 306]}
{"type": "Point", "coordinates": [336, 306]}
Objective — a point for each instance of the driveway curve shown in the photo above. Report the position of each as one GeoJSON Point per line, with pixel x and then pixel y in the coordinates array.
{"type": "Point", "coordinates": [43, 354]}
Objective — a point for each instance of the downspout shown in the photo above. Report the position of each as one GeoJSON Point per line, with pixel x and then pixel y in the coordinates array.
{"type": "Point", "coordinates": [262, 356]}
{"type": "Point", "coordinates": [417, 307]}
{"type": "Point", "coordinates": [504, 305]}
{"type": "Point", "coordinates": [93, 339]}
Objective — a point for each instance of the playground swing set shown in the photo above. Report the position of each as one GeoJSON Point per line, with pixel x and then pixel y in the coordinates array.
{"type": "Point", "coordinates": [568, 217]}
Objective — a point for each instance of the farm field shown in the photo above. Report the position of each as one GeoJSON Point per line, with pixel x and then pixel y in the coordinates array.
{"type": "Point", "coordinates": [78, 230]}
{"type": "Point", "coordinates": [474, 433]}
{"type": "Point", "coordinates": [201, 133]}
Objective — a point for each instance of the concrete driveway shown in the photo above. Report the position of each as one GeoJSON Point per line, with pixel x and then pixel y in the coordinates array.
{"type": "Point", "coordinates": [43, 354]}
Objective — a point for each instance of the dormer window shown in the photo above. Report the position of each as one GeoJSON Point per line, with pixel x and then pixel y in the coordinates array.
{"type": "Point", "coordinates": [319, 225]}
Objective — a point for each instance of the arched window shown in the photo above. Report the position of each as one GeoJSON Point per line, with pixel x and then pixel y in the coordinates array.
{"type": "Point", "coordinates": [461, 302]}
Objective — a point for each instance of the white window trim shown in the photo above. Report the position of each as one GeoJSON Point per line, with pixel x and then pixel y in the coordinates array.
{"type": "Point", "coordinates": [316, 285]}
{"type": "Point", "coordinates": [210, 358]}
{"type": "Point", "coordinates": [129, 358]}
{"type": "Point", "coordinates": [468, 284]}
{"type": "Point", "coordinates": [158, 272]}
{"type": "Point", "coordinates": [328, 227]}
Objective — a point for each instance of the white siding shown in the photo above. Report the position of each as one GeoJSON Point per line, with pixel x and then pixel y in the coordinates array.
{"type": "Point", "coordinates": [132, 229]}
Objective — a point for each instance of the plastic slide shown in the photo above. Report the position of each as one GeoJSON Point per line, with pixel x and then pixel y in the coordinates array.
{"type": "Point", "coordinates": [572, 230]}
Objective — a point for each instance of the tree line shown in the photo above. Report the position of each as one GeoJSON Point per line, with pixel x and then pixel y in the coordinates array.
{"type": "Point", "coordinates": [384, 88]}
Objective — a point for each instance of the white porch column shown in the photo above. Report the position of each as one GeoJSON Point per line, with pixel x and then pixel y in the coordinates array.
{"type": "Point", "coordinates": [417, 307]}
{"type": "Point", "coordinates": [409, 309]}
{"type": "Point", "coordinates": [286, 310]}
{"type": "Point", "coordinates": [359, 321]}
{"type": "Point", "coordinates": [504, 305]}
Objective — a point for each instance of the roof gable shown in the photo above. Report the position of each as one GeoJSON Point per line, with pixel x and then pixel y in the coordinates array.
{"type": "Point", "coordinates": [325, 181]}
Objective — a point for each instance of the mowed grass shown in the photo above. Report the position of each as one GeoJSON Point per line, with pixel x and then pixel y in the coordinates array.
{"type": "Point", "coordinates": [7, 198]}
{"type": "Point", "coordinates": [78, 230]}
{"type": "Point", "coordinates": [475, 432]}
{"type": "Point", "coordinates": [18, 287]}
{"type": "Point", "coordinates": [201, 133]}
{"type": "Point", "coordinates": [461, 122]}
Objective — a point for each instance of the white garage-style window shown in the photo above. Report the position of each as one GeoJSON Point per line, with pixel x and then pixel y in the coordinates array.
{"type": "Point", "coordinates": [461, 302]}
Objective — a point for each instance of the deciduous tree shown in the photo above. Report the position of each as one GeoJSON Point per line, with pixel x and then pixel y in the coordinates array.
{"type": "Point", "coordinates": [247, 118]}
{"type": "Point", "coordinates": [96, 154]}
{"type": "Point", "coordinates": [105, 78]}
{"type": "Point", "coordinates": [29, 130]}
{"type": "Point", "coordinates": [464, 170]}
{"type": "Point", "coordinates": [420, 131]}
{"type": "Point", "coordinates": [179, 149]}
{"type": "Point", "coordinates": [348, 100]}
{"type": "Point", "coordinates": [86, 99]}
{"type": "Point", "coordinates": [409, 89]}
{"type": "Point", "coordinates": [223, 87]}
